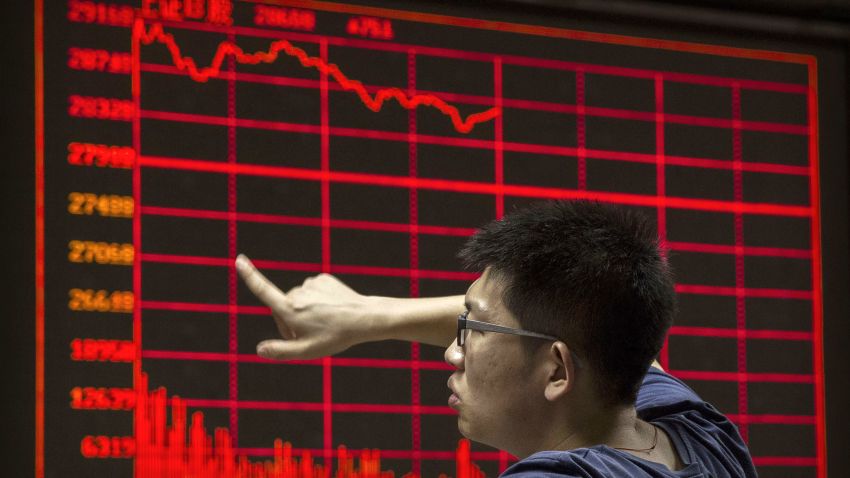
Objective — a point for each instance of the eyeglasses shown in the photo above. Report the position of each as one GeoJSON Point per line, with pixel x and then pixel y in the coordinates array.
{"type": "Point", "coordinates": [464, 324]}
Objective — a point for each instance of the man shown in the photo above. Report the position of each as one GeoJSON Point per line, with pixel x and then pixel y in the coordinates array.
{"type": "Point", "coordinates": [551, 347]}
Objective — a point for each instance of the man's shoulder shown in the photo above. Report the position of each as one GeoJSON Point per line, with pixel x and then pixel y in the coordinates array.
{"type": "Point", "coordinates": [592, 462]}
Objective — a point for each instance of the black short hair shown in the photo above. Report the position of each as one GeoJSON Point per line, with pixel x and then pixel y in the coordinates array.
{"type": "Point", "coordinates": [592, 274]}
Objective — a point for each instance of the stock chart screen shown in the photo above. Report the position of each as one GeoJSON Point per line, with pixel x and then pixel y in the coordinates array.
{"type": "Point", "coordinates": [370, 142]}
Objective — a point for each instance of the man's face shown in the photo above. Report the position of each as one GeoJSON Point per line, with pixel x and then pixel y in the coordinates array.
{"type": "Point", "coordinates": [491, 391]}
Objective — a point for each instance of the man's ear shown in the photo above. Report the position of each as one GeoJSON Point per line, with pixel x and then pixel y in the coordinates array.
{"type": "Point", "coordinates": [560, 369]}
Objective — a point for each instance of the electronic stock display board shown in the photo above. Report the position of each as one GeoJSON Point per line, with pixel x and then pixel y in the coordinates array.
{"type": "Point", "coordinates": [370, 143]}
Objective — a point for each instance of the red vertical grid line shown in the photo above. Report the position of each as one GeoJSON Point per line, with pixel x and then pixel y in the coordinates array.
{"type": "Point", "coordinates": [38, 63]}
{"type": "Point", "coordinates": [581, 153]}
{"type": "Point", "coordinates": [327, 372]}
{"type": "Point", "coordinates": [232, 286]}
{"type": "Point", "coordinates": [413, 201]}
{"type": "Point", "coordinates": [500, 179]}
{"type": "Point", "coordinates": [135, 93]}
{"type": "Point", "coordinates": [817, 271]}
{"type": "Point", "coordinates": [499, 149]}
{"type": "Point", "coordinates": [661, 186]}
{"type": "Point", "coordinates": [740, 299]}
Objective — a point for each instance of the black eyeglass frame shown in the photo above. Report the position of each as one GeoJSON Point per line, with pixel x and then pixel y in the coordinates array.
{"type": "Point", "coordinates": [468, 324]}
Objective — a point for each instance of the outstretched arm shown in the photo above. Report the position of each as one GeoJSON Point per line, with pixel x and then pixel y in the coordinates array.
{"type": "Point", "coordinates": [323, 316]}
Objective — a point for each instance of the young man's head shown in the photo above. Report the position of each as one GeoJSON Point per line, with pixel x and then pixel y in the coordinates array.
{"type": "Point", "coordinates": [592, 275]}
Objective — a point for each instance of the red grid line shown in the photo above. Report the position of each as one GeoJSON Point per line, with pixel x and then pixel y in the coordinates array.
{"type": "Point", "coordinates": [661, 187]}
{"type": "Point", "coordinates": [744, 291]}
{"type": "Point", "coordinates": [135, 92]}
{"type": "Point", "coordinates": [233, 323]}
{"type": "Point", "coordinates": [38, 146]}
{"type": "Point", "coordinates": [435, 365]}
{"type": "Point", "coordinates": [743, 376]}
{"type": "Point", "coordinates": [449, 275]}
{"type": "Point", "coordinates": [744, 250]}
{"type": "Point", "coordinates": [740, 301]}
{"type": "Point", "coordinates": [336, 361]}
{"type": "Point", "coordinates": [499, 142]}
{"type": "Point", "coordinates": [787, 461]}
{"type": "Point", "coordinates": [717, 332]}
{"type": "Point", "coordinates": [773, 419]}
{"type": "Point", "coordinates": [817, 273]}
{"type": "Point", "coordinates": [475, 143]}
{"type": "Point", "coordinates": [413, 202]}
{"type": "Point", "coordinates": [327, 372]}
{"type": "Point", "coordinates": [474, 187]}
{"type": "Point", "coordinates": [581, 140]}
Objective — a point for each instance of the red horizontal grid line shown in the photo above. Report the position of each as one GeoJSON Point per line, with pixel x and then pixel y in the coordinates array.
{"type": "Point", "coordinates": [475, 187]}
{"type": "Point", "coordinates": [517, 103]}
{"type": "Point", "coordinates": [716, 376]}
{"type": "Point", "coordinates": [747, 250]}
{"type": "Point", "coordinates": [319, 406]}
{"type": "Point", "coordinates": [312, 267]}
{"type": "Point", "coordinates": [747, 292]}
{"type": "Point", "coordinates": [736, 333]}
{"type": "Point", "coordinates": [785, 461]}
{"type": "Point", "coordinates": [475, 143]}
{"type": "Point", "coordinates": [745, 166]}
{"type": "Point", "coordinates": [306, 221]}
{"type": "Point", "coordinates": [224, 121]}
{"type": "Point", "coordinates": [386, 454]}
{"type": "Point", "coordinates": [778, 419]}
{"type": "Point", "coordinates": [336, 361]}
{"type": "Point", "coordinates": [773, 419]}
{"type": "Point", "coordinates": [200, 307]}
{"type": "Point", "coordinates": [422, 50]}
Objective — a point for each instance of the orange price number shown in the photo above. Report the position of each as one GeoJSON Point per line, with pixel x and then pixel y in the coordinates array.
{"type": "Point", "coordinates": [91, 252]}
{"type": "Point", "coordinates": [91, 300]}
{"type": "Point", "coordinates": [107, 205]}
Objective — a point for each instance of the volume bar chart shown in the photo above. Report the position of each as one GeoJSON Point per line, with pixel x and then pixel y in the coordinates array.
{"type": "Point", "coordinates": [370, 143]}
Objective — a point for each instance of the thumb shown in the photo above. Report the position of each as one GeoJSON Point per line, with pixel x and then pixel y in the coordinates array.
{"type": "Point", "coordinates": [276, 349]}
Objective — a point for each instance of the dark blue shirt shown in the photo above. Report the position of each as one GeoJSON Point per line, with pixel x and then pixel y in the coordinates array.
{"type": "Point", "coordinates": [707, 442]}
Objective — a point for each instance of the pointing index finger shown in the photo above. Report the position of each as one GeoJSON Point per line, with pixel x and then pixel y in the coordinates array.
{"type": "Point", "coordinates": [258, 284]}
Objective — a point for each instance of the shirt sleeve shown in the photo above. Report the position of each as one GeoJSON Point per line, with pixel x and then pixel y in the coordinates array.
{"type": "Point", "coordinates": [661, 393]}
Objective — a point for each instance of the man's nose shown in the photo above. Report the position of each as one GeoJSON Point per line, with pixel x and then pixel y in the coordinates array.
{"type": "Point", "coordinates": [454, 355]}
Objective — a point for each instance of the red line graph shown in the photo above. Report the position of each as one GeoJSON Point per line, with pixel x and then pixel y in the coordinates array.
{"type": "Point", "coordinates": [500, 189]}
{"type": "Point", "coordinates": [374, 103]}
{"type": "Point", "coordinates": [184, 448]}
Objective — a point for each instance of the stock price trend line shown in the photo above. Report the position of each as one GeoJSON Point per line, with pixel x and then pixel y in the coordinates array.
{"type": "Point", "coordinates": [156, 33]}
